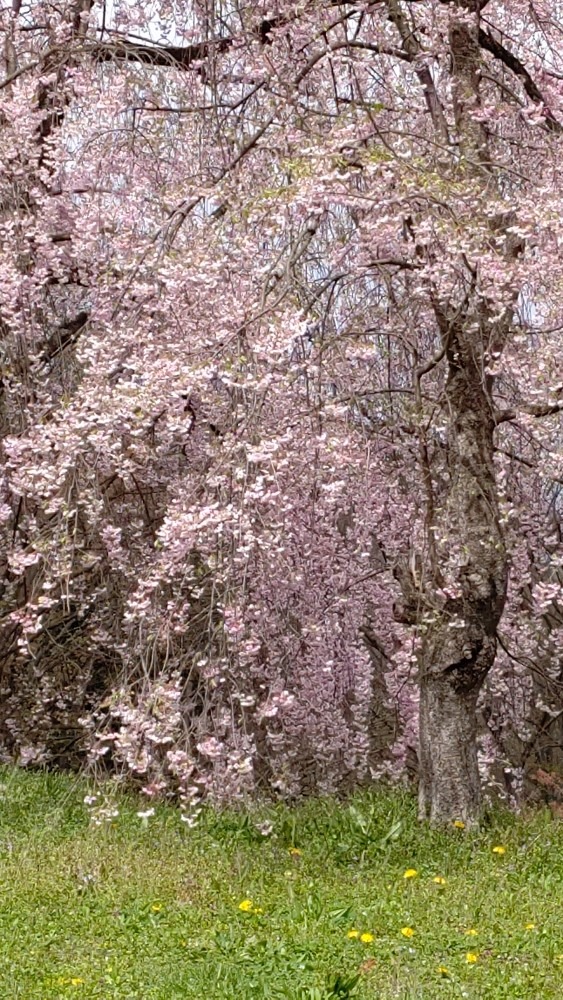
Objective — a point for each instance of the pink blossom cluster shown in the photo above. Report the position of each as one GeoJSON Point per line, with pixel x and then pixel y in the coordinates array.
{"type": "Point", "coordinates": [222, 385]}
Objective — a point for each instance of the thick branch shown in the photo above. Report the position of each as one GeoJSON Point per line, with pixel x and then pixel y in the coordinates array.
{"type": "Point", "coordinates": [412, 50]}
{"type": "Point", "coordinates": [512, 62]}
{"type": "Point", "coordinates": [533, 410]}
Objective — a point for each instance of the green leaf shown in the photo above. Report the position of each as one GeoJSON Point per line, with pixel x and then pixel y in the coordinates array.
{"type": "Point", "coordinates": [340, 915]}
{"type": "Point", "coordinates": [343, 986]}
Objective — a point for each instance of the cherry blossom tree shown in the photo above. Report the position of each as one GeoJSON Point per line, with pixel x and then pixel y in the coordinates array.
{"type": "Point", "coordinates": [281, 392]}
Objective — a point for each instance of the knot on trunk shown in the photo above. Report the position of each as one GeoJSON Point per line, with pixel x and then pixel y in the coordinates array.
{"type": "Point", "coordinates": [468, 673]}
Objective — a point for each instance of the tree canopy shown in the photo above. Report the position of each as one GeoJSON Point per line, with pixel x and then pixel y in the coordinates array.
{"type": "Point", "coordinates": [281, 323]}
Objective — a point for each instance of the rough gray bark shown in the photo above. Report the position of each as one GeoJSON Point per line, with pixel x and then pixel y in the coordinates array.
{"type": "Point", "coordinates": [455, 590]}
{"type": "Point", "coordinates": [458, 631]}
{"type": "Point", "coordinates": [449, 786]}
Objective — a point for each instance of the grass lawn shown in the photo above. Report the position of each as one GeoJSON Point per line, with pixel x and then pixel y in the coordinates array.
{"type": "Point", "coordinates": [338, 900]}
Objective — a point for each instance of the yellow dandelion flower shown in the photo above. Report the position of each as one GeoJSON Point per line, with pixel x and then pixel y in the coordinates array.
{"type": "Point", "coordinates": [439, 880]}
{"type": "Point", "coordinates": [459, 824]}
{"type": "Point", "coordinates": [443, 971]}
{"type": "Point", "coordinates": [407, 932]}
{"type": "Point", "coordinates": [529, 927]}
{"type": "Point", "coordinates": [156, 907]}
{"type": "Point", "coordinates": [367, 938]}
{"type": "Point", "coordinates": [76, 981]}
{"type": "Point", "coordinates": [353, 933]}
{"type": "Point", "coordinates": [295, 852]}
{"type": "Point", "coordinates": [471, 957]}
{"type": "Point", "coordinates": [246, 905]}
{"type": "Point", "coordinates": [410, 873]}
{"type": "Point", "coordinates": [499, 849]}
{"type": "Point", "coordinates": [471, 932]}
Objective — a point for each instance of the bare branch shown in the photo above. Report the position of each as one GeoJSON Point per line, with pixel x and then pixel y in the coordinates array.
{"type": "Point", "coordinates": [529, 465]}
{"type": "Point", "coordinates": [176, 56]}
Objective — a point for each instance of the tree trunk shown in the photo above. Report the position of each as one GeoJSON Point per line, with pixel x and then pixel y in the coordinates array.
{"type": "Point", "coordinates": [464, 595]}
{"type": "Point", "coordinates": [449, 782]}
{"type": "Point", "coordinates": [455, 590]}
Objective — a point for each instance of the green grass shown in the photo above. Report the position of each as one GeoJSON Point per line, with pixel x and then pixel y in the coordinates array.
{"type": "Point", "coordinates": [152, 911]}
